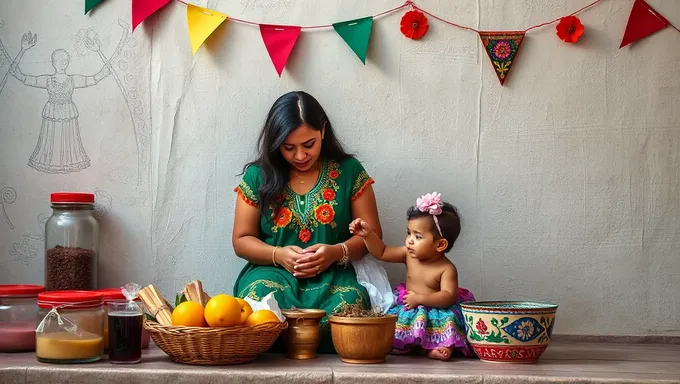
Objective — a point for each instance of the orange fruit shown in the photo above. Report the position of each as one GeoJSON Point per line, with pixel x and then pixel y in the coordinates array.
{"type": "Point", "coordinates": [246, 310]}
{"type": "Point", "coordinates": [188, 314]}
{"type": "Point", "coordinates": [262, 316]}
{"type": "Point", "coordinates": [223, 311]}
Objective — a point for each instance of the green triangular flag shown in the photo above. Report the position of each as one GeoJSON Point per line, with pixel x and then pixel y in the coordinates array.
{"type": "Point", "coordinates": [89, 4]}
{"type": "Point", "coordinates": [356, 34]}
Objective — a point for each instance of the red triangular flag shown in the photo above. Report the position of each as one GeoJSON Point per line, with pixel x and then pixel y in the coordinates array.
{"type": "Point", "coordinates": [279, 40]}
{"type": "Point", "coordinates": [502, 48]}
{"type": "Point", "coordinates": [643, 21]}
{"type": "Point", "coordinates": [142, 9]}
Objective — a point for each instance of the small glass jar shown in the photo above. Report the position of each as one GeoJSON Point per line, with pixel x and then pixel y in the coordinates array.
{"type": "Point", "coordinates": [18, 311]}
{"type": "Point", "coordinates": [114, 295]}
{"type": "Point", "coordinates": [71, 243]}
{"type": "Point", "coordinates": [71, 328]}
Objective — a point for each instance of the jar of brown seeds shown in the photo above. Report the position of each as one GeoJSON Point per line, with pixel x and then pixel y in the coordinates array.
{"type": "Point", "coordinates": [71, 243]}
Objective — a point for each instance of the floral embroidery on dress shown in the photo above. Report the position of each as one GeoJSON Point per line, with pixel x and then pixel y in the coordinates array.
{"type": "Point", "coordinates": [362, 182]}
{"type": "Point", "coordinates": [246, 193]}
{"type": "Point", "coordinates": [317, 207]}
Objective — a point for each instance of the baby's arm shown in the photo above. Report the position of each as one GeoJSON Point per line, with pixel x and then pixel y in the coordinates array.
{"type": "Point", "coordinates": [375, 245]}
{"type": "Point", "coordinates": [448, 290]}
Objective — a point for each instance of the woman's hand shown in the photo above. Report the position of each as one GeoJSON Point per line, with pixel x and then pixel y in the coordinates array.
{"type": "Point", "coordinates": [287, 257]}
{"type": "Point", "coordinates": [317, 259]}
{"type": "Point", "coordinates": [360, 228]}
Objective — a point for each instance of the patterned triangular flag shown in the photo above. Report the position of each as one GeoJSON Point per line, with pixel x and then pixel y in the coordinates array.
{"type": "Point", "coordinates": [202, 22]}
{"type": "Point", "coordinates": [643, 21]}
{"type": "Point", "coordinates": [89, 4]}
{"type": "Point", "coordinates": [502, 48]}
{"type": "Point", "coordinates": [279, 41]}
{"type": "Point", "coordinates": [142, 9]}
{"type": "Point", "coordinates": [356, 34]}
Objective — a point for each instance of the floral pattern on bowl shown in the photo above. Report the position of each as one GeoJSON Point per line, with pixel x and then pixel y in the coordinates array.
{"type": "Point", "coordinates": [509, 331]}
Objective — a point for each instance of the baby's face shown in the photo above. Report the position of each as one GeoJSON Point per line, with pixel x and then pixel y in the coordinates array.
{"type": "Point", "coordinates": [420, 241]}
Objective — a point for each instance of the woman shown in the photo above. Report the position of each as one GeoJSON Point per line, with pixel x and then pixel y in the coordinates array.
{"type": "Point", "coordinates": [295, 203]}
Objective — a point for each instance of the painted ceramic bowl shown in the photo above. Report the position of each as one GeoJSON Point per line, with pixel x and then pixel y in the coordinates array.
{"type": "Point", "coordinates": [509, 331]}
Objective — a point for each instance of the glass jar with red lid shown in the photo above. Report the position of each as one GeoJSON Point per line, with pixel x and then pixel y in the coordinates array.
{"type": "Point", "coordinates": [71, 243]}
{"type": "Point", "coordinates": [71, 327]}
{"type": "Point", "coordinates": [115, 295]}
{"type": "Point", "coordinates": [18, 313]}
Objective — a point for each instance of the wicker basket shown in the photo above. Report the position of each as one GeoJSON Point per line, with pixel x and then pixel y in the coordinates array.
{"type": "Point", "coordinates": [214, 346]}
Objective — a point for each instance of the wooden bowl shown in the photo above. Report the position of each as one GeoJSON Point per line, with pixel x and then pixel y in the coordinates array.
{"type": "Point", "coordinates": [363, 340]}
{"type": "Point", "coordinates": [509, 331]}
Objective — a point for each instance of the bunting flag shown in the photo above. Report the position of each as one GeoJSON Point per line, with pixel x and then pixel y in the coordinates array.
{"type": "Point", "coordinates": [279, 41]}
{"type": "Point", "coordinates": [89, 4]}
{"type": "Point", "coordinates": [643, 21]}
{"type": "Point", "coordinates": [356, 34]}
{"type": "Point", "coordinates": [142, 9]}
{"type": "Point", "coordinates": [202, 22]}
{"type": "Point", "coordinates": [502, 48]}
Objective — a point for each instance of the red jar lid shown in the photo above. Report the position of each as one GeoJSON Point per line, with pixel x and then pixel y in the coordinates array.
{"type": "Point", "coordinates": [25, 290]}
{"type": "Point", "coordinates": [72, 198]}
{"type": "Point", "coordinates": [70, 299]}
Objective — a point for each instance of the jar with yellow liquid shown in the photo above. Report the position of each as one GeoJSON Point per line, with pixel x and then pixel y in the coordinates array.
{"type": "Point", "coordinates": [71, 328]}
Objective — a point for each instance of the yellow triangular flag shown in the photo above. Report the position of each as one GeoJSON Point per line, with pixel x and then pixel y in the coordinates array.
{"type": "Point", "coordinates": [202, 22]}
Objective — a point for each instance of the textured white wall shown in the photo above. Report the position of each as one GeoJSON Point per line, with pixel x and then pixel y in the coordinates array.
{"type": "Point", "coordinates": [567, 178]}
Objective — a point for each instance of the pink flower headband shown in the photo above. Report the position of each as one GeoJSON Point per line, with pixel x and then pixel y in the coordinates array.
{"type": "Point", "coordinates": [431, 203]}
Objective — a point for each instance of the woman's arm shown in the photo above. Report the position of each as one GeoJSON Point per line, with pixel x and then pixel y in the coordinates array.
{"type": "Point", "coordinates": [245, 234]}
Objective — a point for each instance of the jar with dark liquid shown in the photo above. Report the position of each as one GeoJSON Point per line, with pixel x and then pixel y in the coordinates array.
{"type": "Point", "coordinates": [125, 333]}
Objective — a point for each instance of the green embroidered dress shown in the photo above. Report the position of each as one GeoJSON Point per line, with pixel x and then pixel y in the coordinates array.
{"type": "Point", "coordinates": [320, 216]}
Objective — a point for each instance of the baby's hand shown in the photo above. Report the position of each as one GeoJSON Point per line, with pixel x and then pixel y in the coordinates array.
{"type": "Point", "coordinates": [360, 228]}
{"type": "Point", "coordinates": [411, 299]}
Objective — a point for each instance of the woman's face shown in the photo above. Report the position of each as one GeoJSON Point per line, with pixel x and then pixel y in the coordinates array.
{"type": "Point", "coordinates": [302, 147]}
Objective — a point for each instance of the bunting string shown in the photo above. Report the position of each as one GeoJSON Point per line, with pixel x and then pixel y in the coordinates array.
{"type": "Point", "coordinates": [410, 3]}
{"type": "Point", "coordinates": [242, 21]}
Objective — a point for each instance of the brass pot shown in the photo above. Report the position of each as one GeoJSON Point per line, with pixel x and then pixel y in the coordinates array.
{"type": "Point", "coordinates": [304, 332]}
{"type": "Point", "coordinates": [363, 340]}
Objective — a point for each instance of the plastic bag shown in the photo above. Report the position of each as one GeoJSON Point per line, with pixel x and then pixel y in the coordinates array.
{"type": "Point", "coordinates": [131, 292]}
{"type": "Point", "coordinates": [372, 276]}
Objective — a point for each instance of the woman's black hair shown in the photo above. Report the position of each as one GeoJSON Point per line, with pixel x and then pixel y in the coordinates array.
{"type": "Point", "coordinates": [287, 114]}
{"type": "Point", "coordinates": [449, 222]}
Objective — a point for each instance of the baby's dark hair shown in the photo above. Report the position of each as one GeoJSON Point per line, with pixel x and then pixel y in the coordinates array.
{"type": "Point", "coordinates": [449, 222]}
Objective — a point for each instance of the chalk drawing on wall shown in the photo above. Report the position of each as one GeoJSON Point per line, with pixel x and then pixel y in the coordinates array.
{"type": "Point", "coordinates": [102, 205]}
{"type": "Point", "coordinates": [7, 196]}
{"type": "Point", "coordinates": [60, 149]}
{"type": "Point", "coordinates": [27, 250]}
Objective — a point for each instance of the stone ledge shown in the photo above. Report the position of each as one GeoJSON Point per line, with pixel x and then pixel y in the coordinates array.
{"type": "Point", "coordinates": [562, 363]}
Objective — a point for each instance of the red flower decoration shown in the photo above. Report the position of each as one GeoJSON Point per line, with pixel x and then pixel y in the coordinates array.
{"type": "Point", "coordinates": [569, 29]}
{"type": "Point", "coordinates": [328, 194]}
{"type": "Point", "coordinates": [334, 174]}
{"type": "Point", "coordinates": [481, 327]}
{"type": "Point", "coordinates": [305, 235]}
{"type": "Point", "coordinates": [414, 25]}
{"type": "Point", "coordinates": [325, 214]}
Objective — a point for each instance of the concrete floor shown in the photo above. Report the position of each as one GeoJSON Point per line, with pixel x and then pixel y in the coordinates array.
{"type": "Point", "coordinates": [563, 362]}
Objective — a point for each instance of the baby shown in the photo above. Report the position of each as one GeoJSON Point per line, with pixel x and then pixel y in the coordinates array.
{"type": "Point", "coordinates": [428, 307]}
